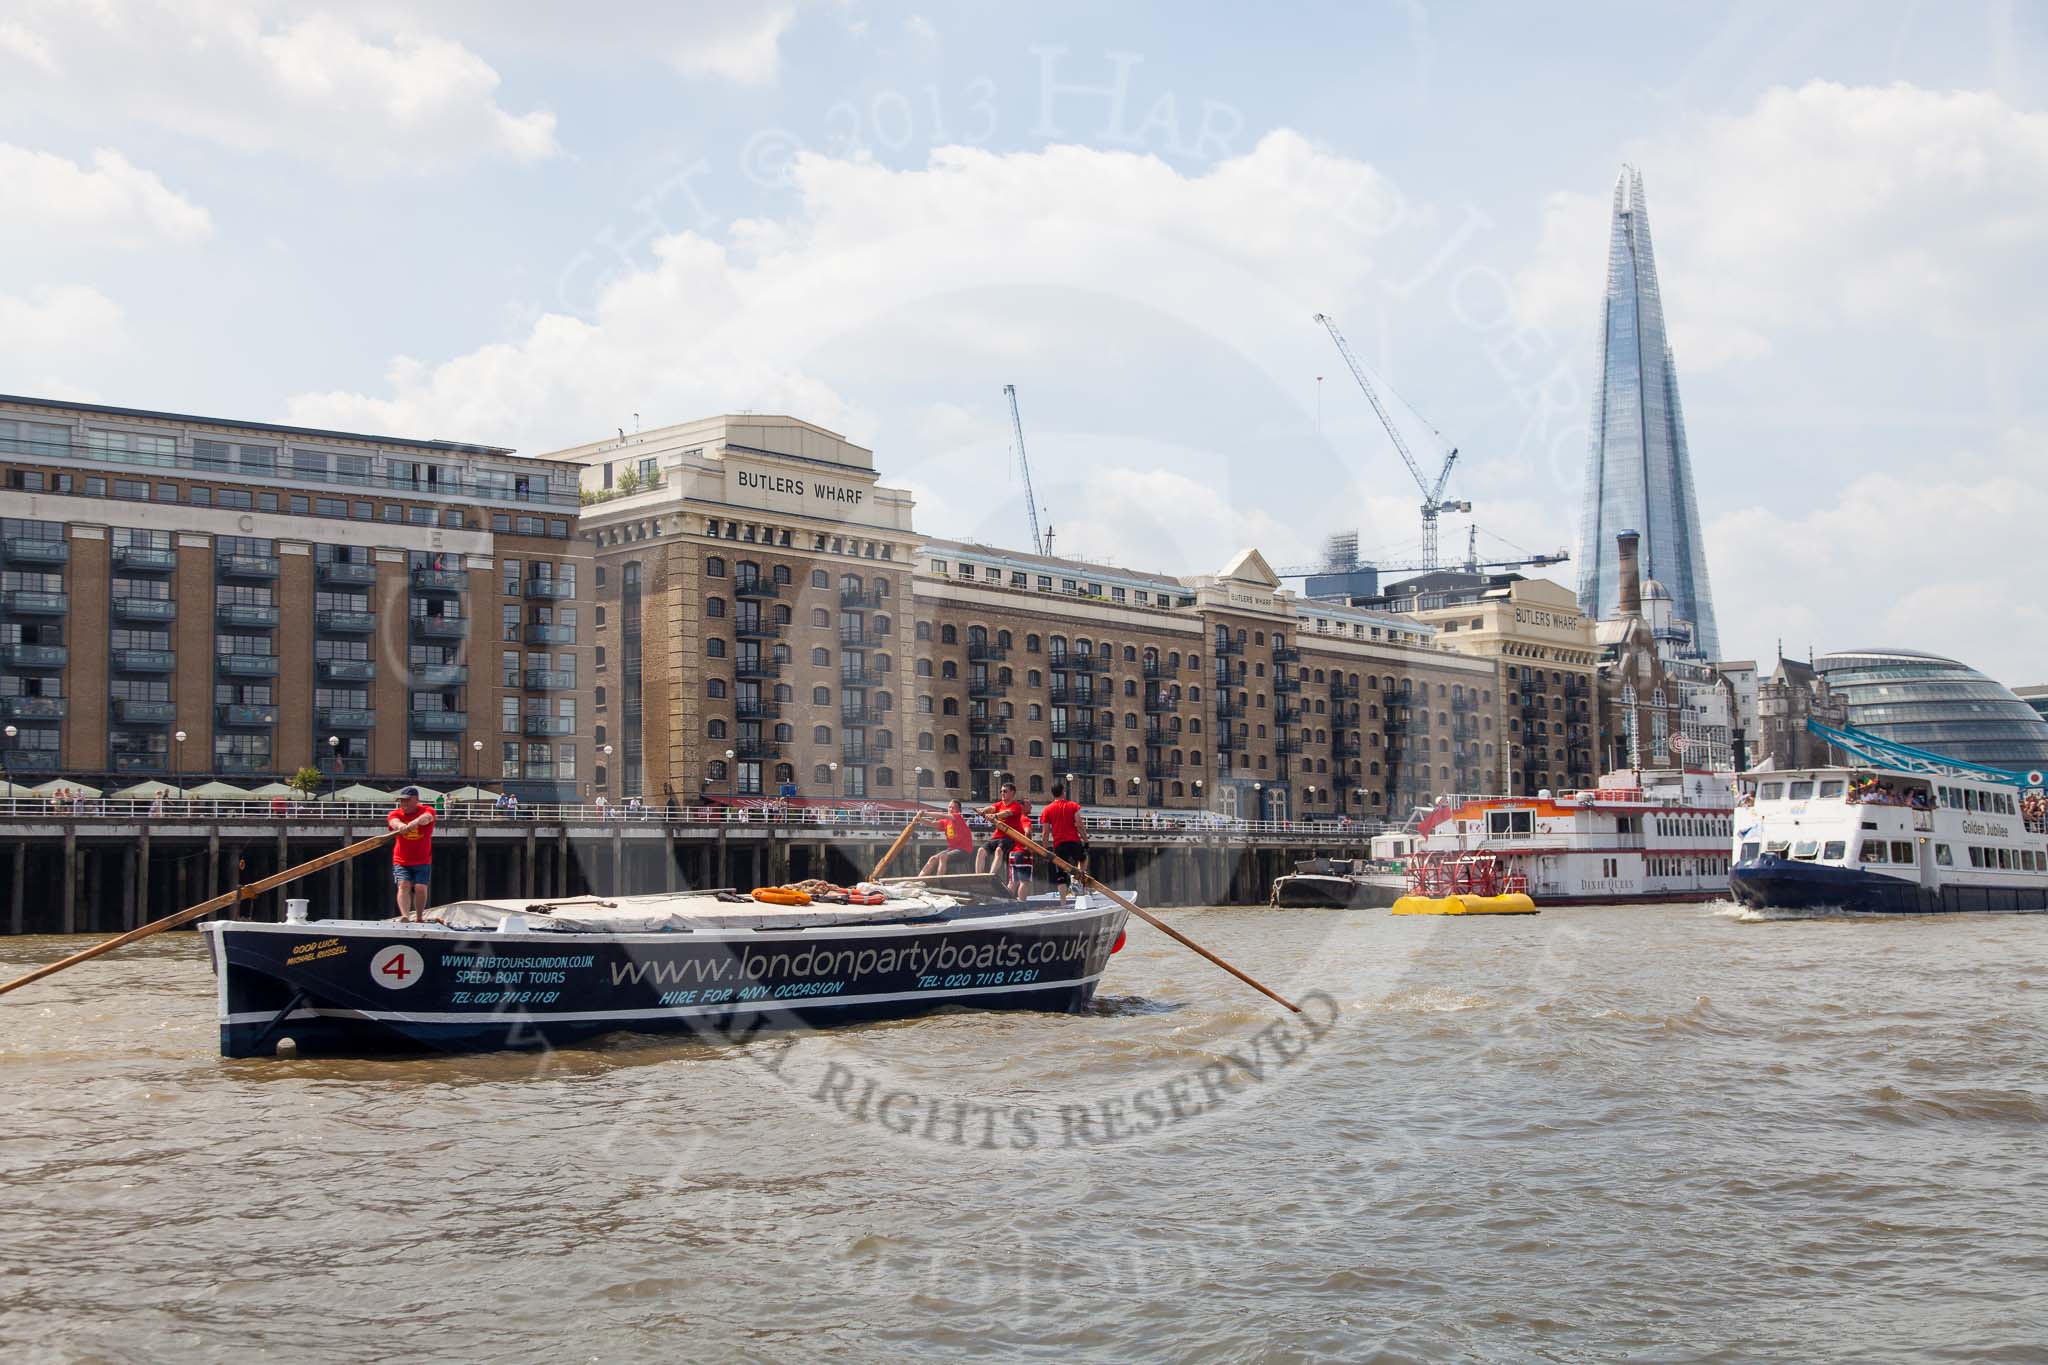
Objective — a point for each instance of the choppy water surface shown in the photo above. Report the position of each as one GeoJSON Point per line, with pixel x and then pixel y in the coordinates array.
{"type": "Point", "coordinates": [1653, 1133]}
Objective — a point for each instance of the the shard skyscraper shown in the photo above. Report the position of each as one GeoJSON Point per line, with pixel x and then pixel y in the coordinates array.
{"type": "Point", "coordinates": [1638, 473]}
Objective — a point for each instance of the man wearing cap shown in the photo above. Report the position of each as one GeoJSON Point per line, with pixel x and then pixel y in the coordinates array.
{"type": "Point", "coordinates": [412, 852]}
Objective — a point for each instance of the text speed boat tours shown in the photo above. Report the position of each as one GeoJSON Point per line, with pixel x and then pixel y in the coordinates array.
{"type": "Point", "coordinates": [524, 974]}
{"type": "Point", "coordinates": [1641, 835]}
{"type": "Point", "coordinates": [1902, 831]}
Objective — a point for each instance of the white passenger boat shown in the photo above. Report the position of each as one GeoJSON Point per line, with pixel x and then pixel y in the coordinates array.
{"type": "Point", "coordinates": [1883, 839]}
{"type": "Point", "coordinates": [1640, 835]}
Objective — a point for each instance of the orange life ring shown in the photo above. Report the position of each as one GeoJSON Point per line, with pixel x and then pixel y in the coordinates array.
{"type": "Point", "coordinates": [780, 895]}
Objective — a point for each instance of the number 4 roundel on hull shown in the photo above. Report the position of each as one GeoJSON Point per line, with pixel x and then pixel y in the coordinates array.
{"type": "Point", "coordinates": [396, 967]}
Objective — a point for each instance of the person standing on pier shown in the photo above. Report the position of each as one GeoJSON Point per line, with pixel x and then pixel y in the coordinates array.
{"type": "Point", "coordinates": [412, 853]}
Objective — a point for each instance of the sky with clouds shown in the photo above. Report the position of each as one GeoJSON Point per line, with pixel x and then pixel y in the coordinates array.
{"type": "Point", "coordinates": [529, 224]}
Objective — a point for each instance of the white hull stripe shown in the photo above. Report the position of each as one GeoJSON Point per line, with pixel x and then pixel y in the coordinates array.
{"type": "Point", "coordinates": [664, 1012]}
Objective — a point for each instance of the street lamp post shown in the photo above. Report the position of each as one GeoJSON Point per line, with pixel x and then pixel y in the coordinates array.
{"type": "Point", "coordinates": [334, 761]}
{"type": "Point", "coordinates": [178, 771]}
{"type": "Point", "coordinates": [732, 776]}
{"type": "Point", "coordinates": [476, 746]}
{"type": "Point", "coordinates": [7, 774]}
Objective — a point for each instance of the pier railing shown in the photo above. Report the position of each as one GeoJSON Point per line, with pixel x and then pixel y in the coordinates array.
{"type": "Point", "coordinates": [847, 819]}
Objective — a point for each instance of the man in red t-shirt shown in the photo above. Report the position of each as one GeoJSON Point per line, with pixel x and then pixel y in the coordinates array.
{"type": "Point", "coordinates": [958, 853]}
{"type": "Point", "coordinates": [1008, 811]}
{"type": "Point", "coordinates": [1064, 830]}
{"type": "Point", "coordinates": [412, 852]}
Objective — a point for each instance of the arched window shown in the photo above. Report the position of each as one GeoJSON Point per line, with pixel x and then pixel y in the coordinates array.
{"type": "Point", "coordinates": [952, 777]}
{"type": "Point", "coordinates": [1131, 754]}
{"type": "Point", "coordinates": [713, 687]}
{"type": "Point", "coordinates": [1002, 639]}
{"type": "Point", "coordinates": [879, 625]}
{"type": "Point", "coordinates": [1195, 758]}
{"type": "Point", "coordinates": [714, 606]}
{"type": "Point", "coordinates": [821, 774]}
{"type": "Point", "coordinates": [715, 770]}
{"type": "Point", "coordinates": [1030, 644]}
{"type": "Point", "coordinates": [782, 616]}
{"type": "Point", "coordinates": [714, 648]}
{"type": "Point", "coordinates": [1131, 655]}
{"type": "Point", "coordinates": [784, 692]}
{"type": "Point", "coordinates": [785, 733]}
{"type": "Point", "coordinates": [924, 630]}
{"type": "Point", "coordinates": [1036, 749]}
{"type": "Point", "coordinates": [885, 777]}
{"type": "Point", "coordinates": [822, 658]}
{"type": "Point", "coordinates": [1033, 678]}
{"type": "Point", "coordinates": [821, 696]}
{"type": "Point", "coordinates": [950, 744]}
{"type": "Point", "coordinates": [950, 707]}
{"type": "Point", "coordinates": [1036, 784]}
{"type": "Point", "coordinates": [1130, 720]}
{"type": "Point", "coordinates": [714, 567]}
{"type": "Point", "coordinates": [820, 579]}
{"type": "Point", "coordinates": [785, 772]}
{"type": "Point", "coordinates": [948, 635]}
{"type": "Point", "coordinates": [924, 742]}
{"type": "Point", "coordinates": [923, 668]}
{"type": "Point", "coordinates": [926, 777]}
{"type": "Point", "coordinates": [820, 617]}
{"type": "Point", "coordinates": [821, 734]}
{"type": "Point", "coordinates": [850, 582]}
{"type": "Point", "coordinates": [780, 573]}
{"type": "Point", "coordinates": [948, 669]}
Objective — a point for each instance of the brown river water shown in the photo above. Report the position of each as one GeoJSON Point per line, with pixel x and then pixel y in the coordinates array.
{"type": "Point", "coordinates": [1621, 1133]}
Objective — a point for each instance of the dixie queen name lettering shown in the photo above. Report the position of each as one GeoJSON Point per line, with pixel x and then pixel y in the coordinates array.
{"type": "Point", "coordinates": [794, 487]}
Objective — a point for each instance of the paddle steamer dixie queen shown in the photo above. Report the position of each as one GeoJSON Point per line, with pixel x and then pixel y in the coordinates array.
{"type": "Point", "coordinates": [1640, 835]}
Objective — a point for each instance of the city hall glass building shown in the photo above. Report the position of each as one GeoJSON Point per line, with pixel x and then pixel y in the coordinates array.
{"type": "Point", "coordinates": [1638, 472]}
{"type": "Point", "coordinates": [1938, 704]}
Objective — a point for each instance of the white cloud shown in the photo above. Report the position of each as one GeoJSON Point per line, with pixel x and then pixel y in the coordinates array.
{"type": "Point", "coordinates": [112, 202]}
{"type": "Point", "coordinates": [921, 28]}
{"type": "Point", "coordinates": [52, 335]}
{"type": "Point", "coordinates": [881, 274]}
{"type": "Point", "coordinates": [260, 76]}
{"type": "Point", "coordinates": [747, 53]}
{"type": "Point", "coordinates": [1885, 566]}
{"type": "Point", "coordinates": [1823, 208]}
{"type": "Point", "coordinates": [19, 42]}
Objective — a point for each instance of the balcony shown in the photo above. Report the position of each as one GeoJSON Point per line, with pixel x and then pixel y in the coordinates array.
{"type": "Point", "coordinates": [550, 589]}
{"type": "Point", "coordinates": [537, 634]}
{"type": "Point", "coordinates": [30, 760]}
{"type": "Point", "coordinates": [549, 725]}
{"type": "Point", "coordinates": [145, 609]}
{"type": "Point", "coordinates": [344, 717]}
{"type": "Point", "coordinates": [452, 767]}
{"type": "Point", "coordinates": [1227, 707]}
{"type": "Point", "coordinates": [436, 675]}
{"type": "Point", "coordinates": [856, 755]}
{"type": "Point", "coordinates": [1094, 765]}
{"type": "Point", "coordinates": [985, 761]}
{"type": "Point", "coordinates": [34, 708]}
{"type": "Point", "coordinates": [859, 715]}
{"type": "Point", "coordinates": [441, 627]}
{"type": "Point", "coordinates": [1286, 682]}
{"type": "Point", "coordinates": [144, 661]}
{"type": "Point", "coordinates": [144, 712]}
{"type": "Point", "coordinates": [1223, 741]}
{"type": "Point", "coordinates": [243, 715]}
{"type": "Point", "coordinates": [246, 614]}
{"type": "Point", "coordinates": [1286, 654]}
{"type": "Point", "coordinates": [745, 710]}
{"type": "Point", "coordinates": [440, 722]}
{"type": "Point", "coordinates": [242, 763]}
{"type": "Point", "coordinates": [856, 637]}
{"type": "Point", "coordinates": [1162, 770]}
{"type": "Point", "coordinates": [1154, 668]}
{"type": "Point", "coordinates": [246, 566]}
{"type": "Point", "coordinates": [246, 665]}
{"type": "Point", "coordinates": [756, 749]}
{"type": "Point", "coordinates": [335, 621]}
{"type": "Point", "coordinates": [142, 763]}
{"type": "Point", "coordinates": [987, 725]}
{"type": "Point", "coordinates": [34, 656]}
{"type": "Point", "coordinates": [1286, 746]}
{"type": "Point", "coordinates": [987, 689]}
{"type": "Point", "coordinates": [859, 599]}
{"type": "Point", "coordinates": [1223, 647]}
{"type": "Point", "coordinates": [24, 550]}
{"type": "Point", "coordinates": [442, 581]}
{"type": "Point", "coordinates": [981, 652]}
{"type": "Point", "coordinates": [756, 589]}
{"type": "Point", "coordinates": [1343, 691]}
{"type": "Point", "coordinates": [1066, 694]}
{"type": "Point", "coordinates": [145, 559]}
{"type": "Point", "coordinates": [1073, 729]}
{"type": "Point", "coordinates": [1284, 714]}
{"type": "Point", "coordinates": [854, 675]}
{"type": "Point", "coordinates": [1161, 704]}
{"type": "Point", "coordinates": [338, 574]}
{"type": "Point", "coordinates": [757, 670]}
{"type": "Point", "coordinates": [550, 680]}
{"type": "Point", "coordinates": [757, 630]}
{"type": "Point", "coordinates": [23, 603]}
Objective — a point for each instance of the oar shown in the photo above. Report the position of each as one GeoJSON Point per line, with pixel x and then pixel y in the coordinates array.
{"type": "Point", "coordinates": [187, 915]}
{"type": "Point", "coordinates": [1150, 919]}
{"type": "Point", "coordinates": [895, 848]}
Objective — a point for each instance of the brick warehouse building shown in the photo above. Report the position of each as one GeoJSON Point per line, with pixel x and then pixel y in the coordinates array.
{"type": "Point", "coordinates": [765, 619]}
{"type": "Point", "coordinates": [280, 597]}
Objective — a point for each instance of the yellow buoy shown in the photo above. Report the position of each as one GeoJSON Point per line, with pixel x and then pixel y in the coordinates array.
{"type": "Point", "coordinates": [1515, 903]}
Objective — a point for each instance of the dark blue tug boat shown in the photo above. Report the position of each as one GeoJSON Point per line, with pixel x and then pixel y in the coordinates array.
{"type": "Point", "coordinates": [497, 975]}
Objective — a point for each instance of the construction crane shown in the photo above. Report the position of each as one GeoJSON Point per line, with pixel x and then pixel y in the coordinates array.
{"type": "Point", "coordinates": [1040, 543]}
{"type": "Point", "coordinates": [1433, 501]}
{"type": "Point", "coordinates": [1340, 555]}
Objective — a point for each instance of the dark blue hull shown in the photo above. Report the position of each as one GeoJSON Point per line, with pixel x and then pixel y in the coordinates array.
{"type": "Point", "coordinates": [344, 988]}
{"type": "Point", "coordinates": [1771, 883]}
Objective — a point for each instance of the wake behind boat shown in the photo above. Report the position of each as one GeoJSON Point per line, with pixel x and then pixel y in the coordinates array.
{"type": "Point", "coordinates": [508, 974]}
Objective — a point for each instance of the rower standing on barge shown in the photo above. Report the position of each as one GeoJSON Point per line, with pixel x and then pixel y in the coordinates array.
{"type": "Point", "coordinates": [412, 853]}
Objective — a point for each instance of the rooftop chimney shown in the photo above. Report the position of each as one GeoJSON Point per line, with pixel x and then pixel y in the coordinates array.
{"type": "Point", "coordinates": [1631, 602]}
